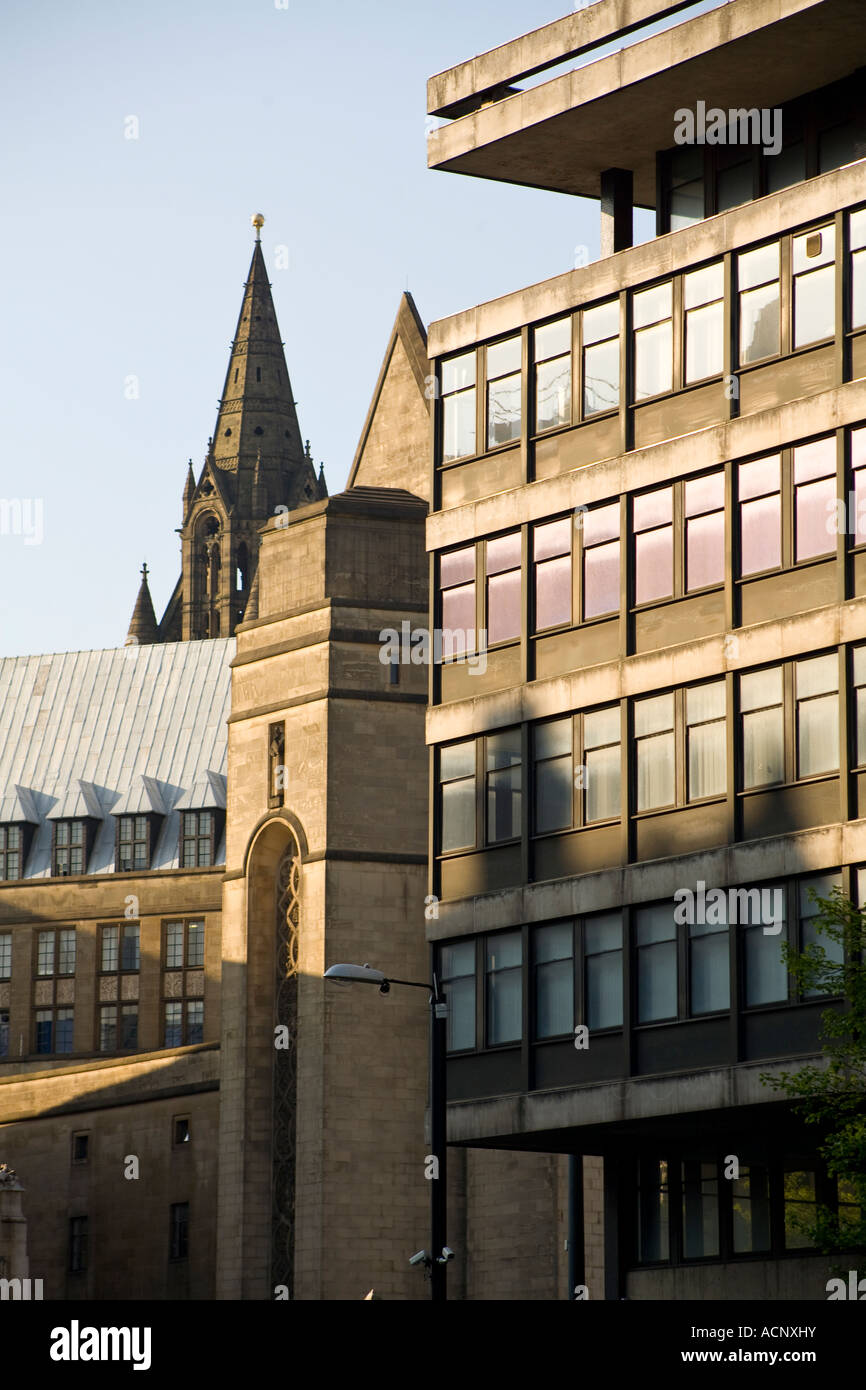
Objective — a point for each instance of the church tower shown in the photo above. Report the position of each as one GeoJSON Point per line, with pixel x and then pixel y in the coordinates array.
{"type": "Point", "coordinates": [255, 467]}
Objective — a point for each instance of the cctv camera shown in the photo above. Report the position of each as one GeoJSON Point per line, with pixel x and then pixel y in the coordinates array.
{"type": "Point", "coordinates": [421, 1258]}
{"type": "Point", "coordinates": [447, 1254]}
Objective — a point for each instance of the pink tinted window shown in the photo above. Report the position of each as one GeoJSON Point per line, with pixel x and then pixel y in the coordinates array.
{"type": "Point", "coordinates": [457, 567]}
{"type": "Point", "coordinates": [653, 508]}
{"type": "Point", "coordinates": [600, 524]}
{"type": "Point", "coordinates": [553, 538]}
{"type": "Point", "coordinates": [815, 494]}
{"type": "Point", "coordinates": [601, 580]}
{"type": "Point", "coordinates": [503, 553]}
{"type": "Point", "coordinates": [705, 550]}
{"type": "Point", "coordinates": [553, 592]}
{"type": "Point", "coordinates": [458, 618]}
{"type": "Point", "coordinates": [503, 607]}
{"type": "Point", "coordinates": [761, 535]}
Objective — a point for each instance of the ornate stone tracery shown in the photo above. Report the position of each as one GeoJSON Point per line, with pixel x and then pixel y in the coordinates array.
{"type": "Point", "coordinates": [285, 1068]}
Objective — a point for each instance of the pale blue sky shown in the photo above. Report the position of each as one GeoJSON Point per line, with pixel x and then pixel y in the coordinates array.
{"type": "Point", "coordinates": [123, 257]}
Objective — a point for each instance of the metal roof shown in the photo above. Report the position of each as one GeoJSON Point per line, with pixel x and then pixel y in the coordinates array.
{"type": "Point", "coordinates": [107, 719]}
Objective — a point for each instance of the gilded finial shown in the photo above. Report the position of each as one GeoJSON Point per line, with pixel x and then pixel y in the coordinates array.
{"type": "Point", "coordinates": [258, 221]}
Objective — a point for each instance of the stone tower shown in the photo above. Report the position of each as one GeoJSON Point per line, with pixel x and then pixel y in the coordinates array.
{"type": "Point", "coordinates": [255, 467]}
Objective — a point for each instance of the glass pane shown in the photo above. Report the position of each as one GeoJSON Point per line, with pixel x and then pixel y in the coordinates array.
{"type": "Point", "coordinates": [787, 167]}
{"type": "Point", "coordinates": [652, 508]}
{"type": "Point", "coordinates": [760, 477]}
{"type": "Point", "coordinates": [761, 688]}
{"type": "Point", "coordinates": [705, 342]}
{"type": "Point", "coordinates": [460, 996]}
{"type": "Point", "coordinates": [757, 267]}
{"type": "Point", "coordinates": [705, 551]}
{"type": "Point", "coordinates": [763, 748]}
{"type": "Point", "coordinates": [458, 619]}
{"type": "Point", "coordinates": [602, 932]}
{"type": "Point", "coordinates": [655, 924]}
{"type": "Point", "coordinates": [857, 228]}
{"type": "Point", "coordinates": [761, 535]}
{"type": "Point", "coordinates": [553, 394]}
{"type": "Point", "coordinates": [816, 518]}
{"type": "Point", "coordinates": [648, 306]}
{"type": "Point", "coordinates": [503, 805]}
{"type": "Point", "coordinates": [457, 760]}
{"type": "Point", "coordinates": [817, 676]}
{"type": "Point", "coordinates": [654, 560]}
{"type": "Point", "coordinates": [759, 323]}
{"type": "Point", "coordinates": [553, 593]}
{"type": "Point", "coordinates": [815, 460]}
{"type": "Point", "coordinates": [814, 306]}
{"type": "Point", "coordinates": [710, 983]}
{"type": "Point", "coordinates": [552, 740]}
{"type": "Point", "coordinates": [503, 358]}
{"type": "Point", "coordinates": [657, 982]}
{"type": "Point", "coordinates": [503, 750]}
{"type": "Point", "coordinates": [822, 245]}
{"type": "Point", "coordinates": [601, 377]}
{"type": "Point", "coordinates": [553, 943]}
{"type": "Point", "coordinates": [504, 1007]}
{"type": "Point", "coordinates": [458, 372]}
{"type": "Point", "coordinates": [505, 951]}
{"type": "Point", "coordinates": [734, 186]}
{"type": "Point", "coordinates": [458, 424]}
{"type": "Point", "coordinates": [552, 538]}
{"type": "Point", "coordinates": [503, 553]}
{"type": "Point", "coordinates": [818, 736]}
{"type": "Point", "coordinates": [858, 289]}
{"type": "Point", "coordinates": [766, 973]}
{"type": "Point", "coordinates": [655, 772]}
{"type": "Point", "coordinates": [700, 1191]}
{"type": "Point", "coordinates": [458, 815]}
{"type": "Point", "coordinates": [705, 494]}
{"type": "Point", "coordinates": [602, 523]}
{"type": "Point", "coordinates": [601, 580]}
{"type": "Point", "coordinates": [553, 795]}
{"type": "Point", "coordinates": [604, 990]}
{"type": "Point", "coordinates": [751, 1206]}
{"type": "Point", "coordinates": [603, 783]}
{"type": "Point", "coordinates": [707, 761]}
{"type": "Point", "coordinates": [457, 959]}
{"type": "Point", "coordinates": [653, 1221]}
{"type": "Point", "coordinates": [653, 361]}
{"type": "Point", "coordinates": [705, 702]}
{"type": "Point", "coordinates": [601, 322]}
{"type": "Point", "coordinates": [687, 204]}
{"type": "Point", "coordinates": [654, 716]}
{"type": "Point", "coordinates": [503, 410]}
{"type": "Point", "coordinates": [552, 339]}
{"type": "Point", "coordinates": [601, 726]}
{"type": "Point", "coordinates": [457, 566]}
{"type": "Point", "coordinates": [554, 999]}
{"type": "Point", "coordinates": [701, 286]}
{"type": "Point", "coordinates": [503, 606]}
{"type": "Point", "coordinates": [195, 943]}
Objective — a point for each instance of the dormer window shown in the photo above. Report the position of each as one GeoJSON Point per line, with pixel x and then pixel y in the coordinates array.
{"type": "Point", "coordinates": [198, 832]}
{"type": "Point", "coordinates": [69, 852]}
{"type": "Point", "coordinates": [134, 843]}
{"type": "Point", "coordinates": [13, 850]}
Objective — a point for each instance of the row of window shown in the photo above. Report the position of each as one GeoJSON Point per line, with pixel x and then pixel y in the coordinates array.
{"type": "Point", "coordinates": [782, 297]}
{"type": "Point", "coordinates": [178, 1238]}
{"type": "Point", "coordinates": [729, 1206]}
{"type": "Point", "coordinates": [678, 539]}
{"type": "Point", "coordinates": [787, 731]}
{"type": "Point", "coordinates": [679, 969]}
{"type": "Point", "coordinates": [117, 1027]}
{"type": "Point", "coordinates": [135, 843]}
{"type": "Point", "coordinates": [119, 948]}
{"type": "Point", "coordinates": [80, 1140]}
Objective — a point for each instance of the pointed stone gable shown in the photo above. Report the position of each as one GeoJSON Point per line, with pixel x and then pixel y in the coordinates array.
{"type": "Point", "coordinates": [394, 448]}
{"type": "Point", "coordinates": [142, 627]}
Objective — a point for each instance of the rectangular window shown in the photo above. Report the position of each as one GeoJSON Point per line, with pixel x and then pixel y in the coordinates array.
{"type": "Point", "coordinates": [108, 1028]}
{"type": "Point", "coordinates": [504, 785]}
{"type": "Point", "coordinates": [11, 845]}
{"type": "Point", "coordinates": [504, 389]}
{"type": "Point", "coordinates": [765, 972]}
{"type": "Point", "coordinates": [458, 407]}
{"type": "Point", "coordinates": [817, 696]}
{"type": "Point", "coordinates": [814, 498]}
{"type": "Point", "coordinates": [118, 1033]}
{"type": "Point", "coordinates": [457, 963]}
{"type": "Point", "coordinates": [133, 843]}
{"type": "Point", "coordinates": [197, 839]}
{"type": "Point", "coordinates": [457, 584]}
{"type": "Point", "coordinates": [706, 761]}
{"type": "Point", "coordinates": [174, 1024]}
{"type": "Point", "coordinates": [656, 940]}
{"type": "Point", "coordinates": [602, 958]}
{"type": "Point", "coordinates": [128, 1027]}
{"type": "Point", "coordinates": [857, 226]}
{"type": "Point", "coordinates": [652, 520]}
{"type": "Point", "coordinates": [503, 568]}
{"type": "Point", "coordinates": [194, 1021]}
{"type": "Point", "coordinates": [704, 306]}
{"type": "Point", "coordinates": [600, 328]}
{"type": "Point", "coordinates": [457, 796]}
{"type": "Point", "coordinates": [704, 508]}
{"type": "Point", "coordinates": [735, 185]}
{"type": "Point", "coordinates": [179, 1231]}
{"type": "Point", "coordinates": [808, 890]}
{"type": "Point", "coordinates": [65, 1026]}
{"type": "Point", "coordinates": [44, 1030]}
{"type": "Point", "coordinates": [653, 1245]}
{"type": "Point", "coordinates": [600, 582]}
{"type": "Point", "coordinates": [760, 300]}
{"type": "Point", "coordinates": [180, 1130]}
{"type": "Point", "coordinates": [69, 847]}
{"type": "Point", "coordinates": [130, 954]}
{"type": "Point", "coordinates": [859, 677]}
{"type": "Point", "coordinates": [553, 375]}
{"type": "Point", "coordinates": [751, 1209]}
{"type": "Point", "coordinates": [554, 781]}
{"type": "Point", "coordinates": [652, 313]}
{"type": "Point", "coordinates": [857, 443]}
{"type": "Point", "coordinates": [503, 981]}
{"type": "Point", "coordinates": [66, 951]}
{"type": "Point", "coordinates": [5, 955]}
{"type": "Point", "coordinates": [109, 948]}
{"type": "Point", "coordinates": [553, 951]}
{"type": "Point", "coordinates": [763, 727]}
{"type": "Point", "coordinates": [655, 752]}
{"type": "Point", "coordinates": [813, 257]}
{"type": "Point", "coordinates": [700, 1191]}
{"type": "Point", "coordinates": [195, 943]}
{"type": "Point", "coordinates": [760, 496]}
{"type": "Point", "coordinates": [686, 195]}
{"type": "Point", "coordinates": [80, 1147]}
{"type": "Point", "coordinates": [709, 972]}
{"type": "Point", "coordinates": [564, 798]}
{"type": "Point", "coordinates": [601, 761]}
{"type": "Point", "coordinates": [173, 945]}
{"type": "Point", "coordinates": [78, 1245]}
{"type": "Point", "coordinates": [551, 554]}
{"type": "Point", "coordinates": [801, 1204]}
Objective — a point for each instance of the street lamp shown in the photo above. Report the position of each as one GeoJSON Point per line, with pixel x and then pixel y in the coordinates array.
{"type": "Point", "coordinates": [439, 1255]}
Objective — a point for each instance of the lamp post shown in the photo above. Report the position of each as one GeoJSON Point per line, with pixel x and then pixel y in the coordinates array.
{"type": "Point", "coordinates": [438, 1256]}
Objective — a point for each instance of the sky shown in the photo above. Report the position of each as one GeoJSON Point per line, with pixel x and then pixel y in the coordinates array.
{"type": "Point", "coordinates": [137, 141]}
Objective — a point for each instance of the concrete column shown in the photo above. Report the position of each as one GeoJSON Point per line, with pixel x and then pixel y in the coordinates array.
{"type": "Point", "coordinates": [617, 210]}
